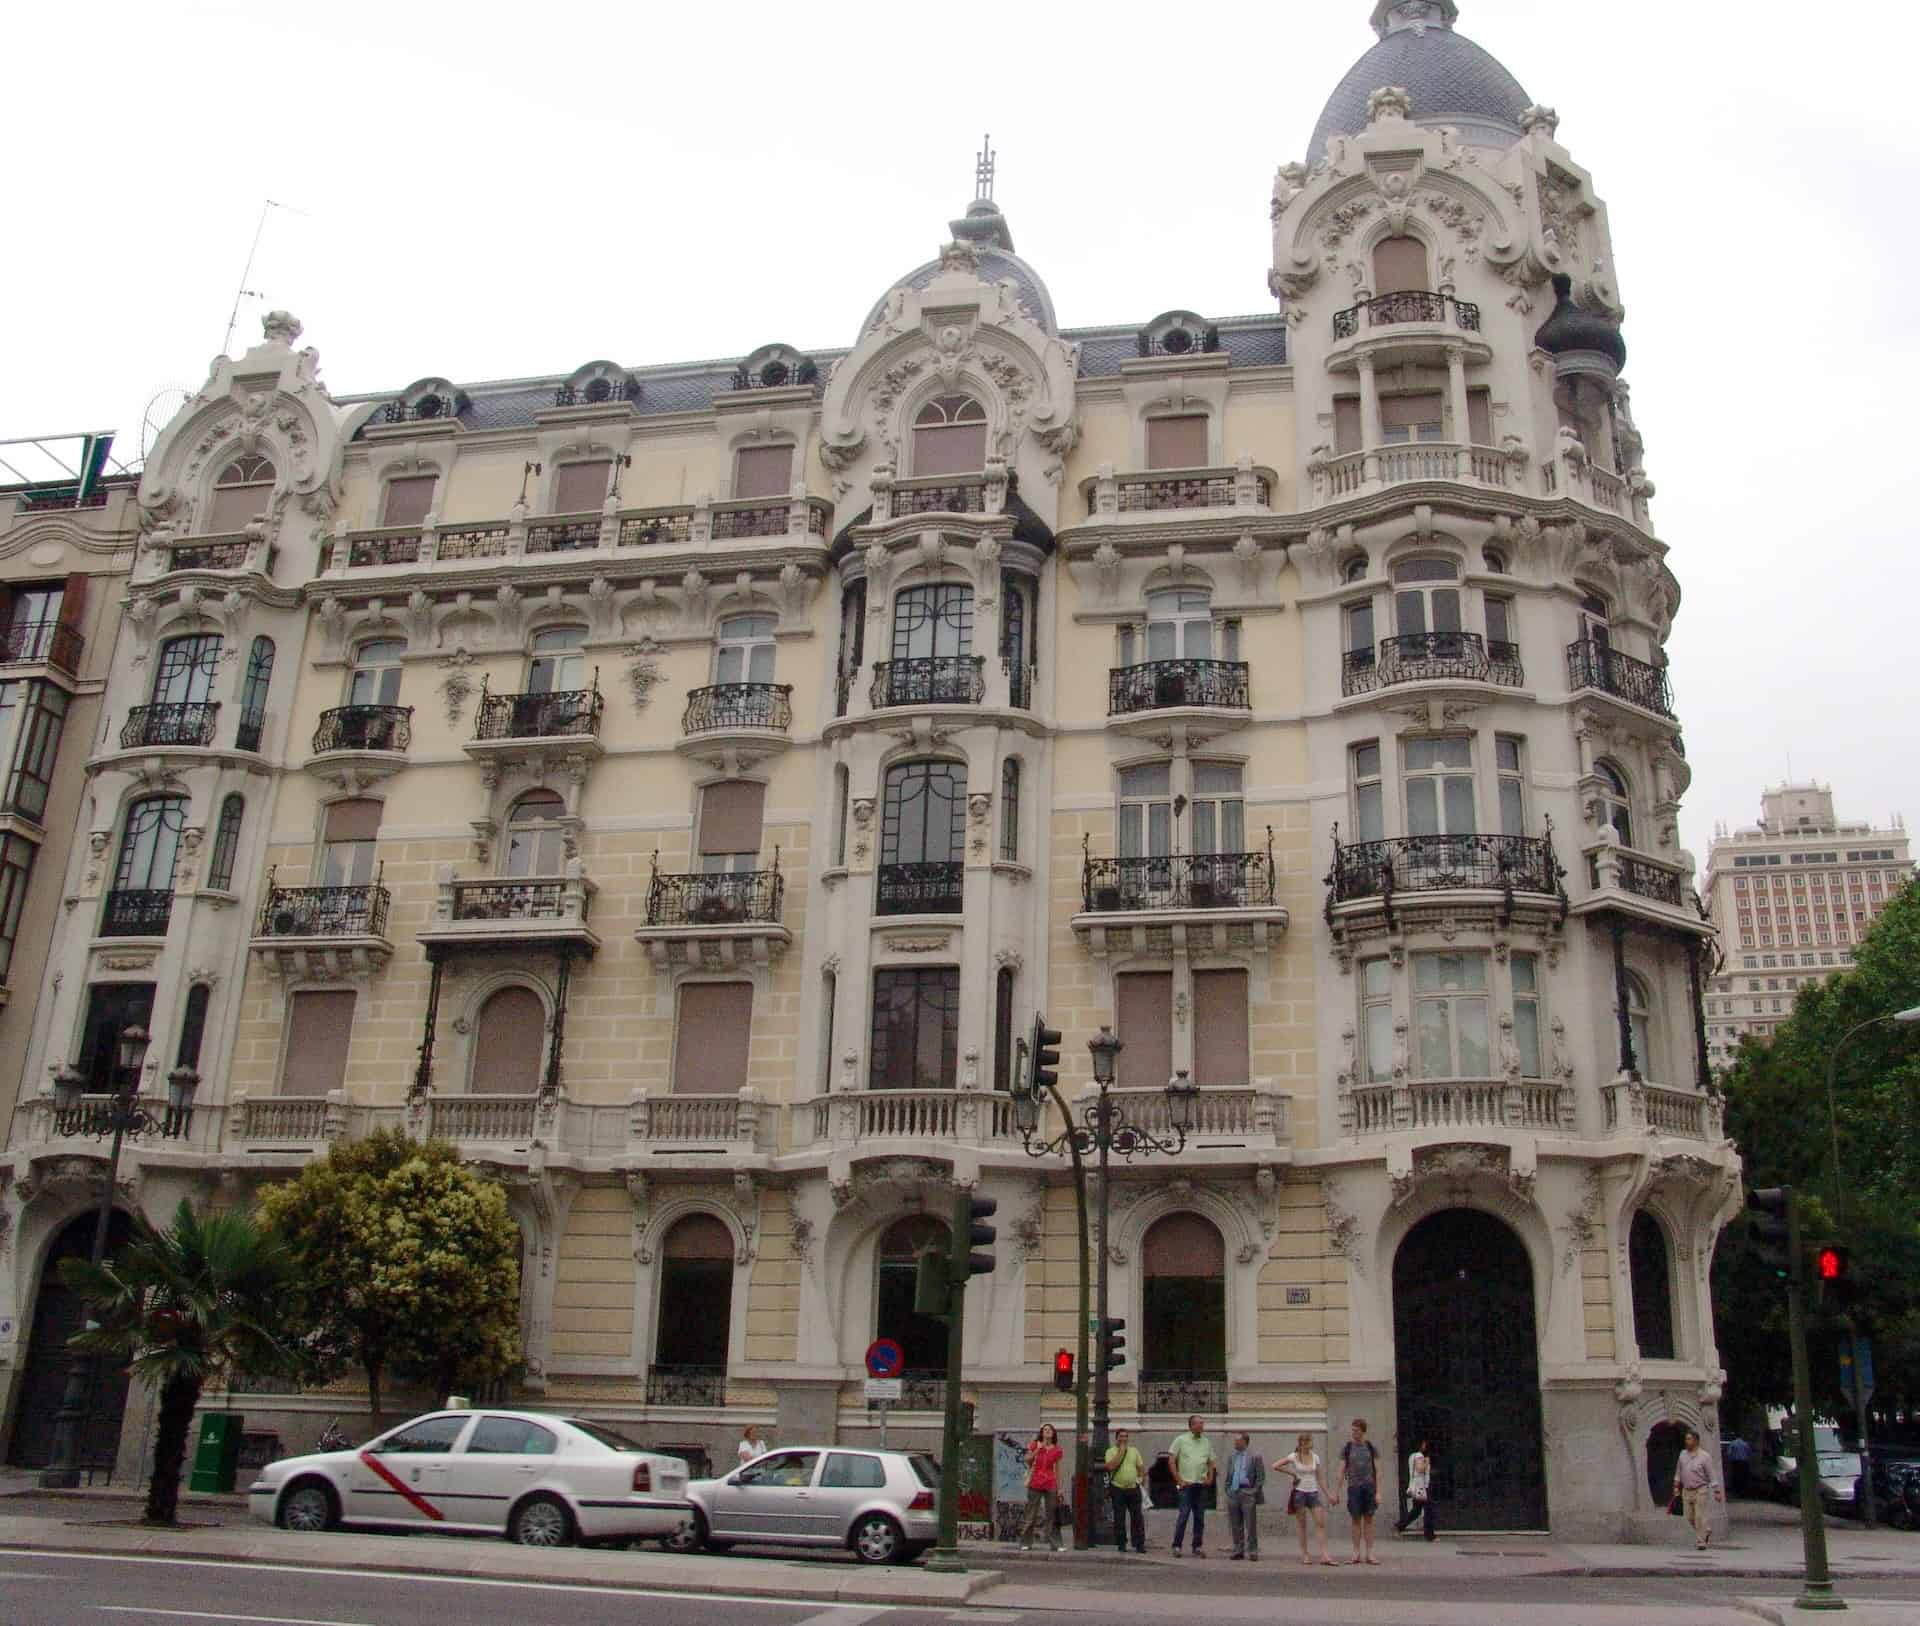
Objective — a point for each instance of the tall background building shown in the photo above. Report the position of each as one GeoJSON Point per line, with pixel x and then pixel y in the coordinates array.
{"type": "Point", "coordinates": [677, 786]}
{"type": "Point", "coordinates": [1790, 896]}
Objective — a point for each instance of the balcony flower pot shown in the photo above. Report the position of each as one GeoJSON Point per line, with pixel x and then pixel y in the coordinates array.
{"type": "Point", "coordinates": [1170, 689]}
{"type": "Point", "coordinates": [1106, 899]}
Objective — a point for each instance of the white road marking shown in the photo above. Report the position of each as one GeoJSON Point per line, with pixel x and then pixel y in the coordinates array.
{"type": "Point", "coordinates": [839, 1616]}
{"type": "Point", "coordinates": [201, 1614]}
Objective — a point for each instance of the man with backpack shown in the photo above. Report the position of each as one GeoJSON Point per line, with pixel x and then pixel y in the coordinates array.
{"type": "Point", "coordinates": [1360, 1479]}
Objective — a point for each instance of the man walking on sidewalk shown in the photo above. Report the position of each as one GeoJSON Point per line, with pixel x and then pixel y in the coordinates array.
{"type": "Point", "coordinates": [1194, 1464]}
{"type": "Point", "coordinates": [1246, 1490]}
{"type": "Point", "coordinates": [1125, 1469]}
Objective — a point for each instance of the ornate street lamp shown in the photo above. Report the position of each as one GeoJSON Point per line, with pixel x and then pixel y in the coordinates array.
{"type": "Point", "coordinates": [120, 1113]}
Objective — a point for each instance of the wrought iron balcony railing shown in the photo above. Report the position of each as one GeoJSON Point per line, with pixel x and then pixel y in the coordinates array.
{"type": "Point", "coordinates": [1415, 657]}
{"type": "Point", "coordinates": [1153, 493]}
{"type": "Point", "coordinates": [921, 889]}
{"type": "Point", "coordinates": [555, 715]}
{"type": "Point", "coordinates": [1410, 305]}
{"type": "Point", "coordinates": [137, 912]}
{"type": "Point", "coordinates": [253, 724]}
{"type": "Point", "coordinates": [211, 553]}
{"type": "Point", "coordinates": [55, 642]}
{"type": "Point", "coordinates": [364, 728]}
{"type": "Point", "coordinates": [175, 723]}
{"type": "Point", "coordinates": [1643, 877]}
{"type": "Point", "coordinates": [398, 546]}
{"type": "Point", "coordinates": [1378, 869]}
{"type": "Point", "coordinates": [564, 535]}
{"type": "Point", "coordinates": [965, 495]}
{"type": "Point", "coordinates": [724, 898]}
{"type": "Point", "coordinates": [686, 1385]}
{"type": "Point", "coordinates": [1181, 1394]}
{"type": "Point", "coordinates": [512, 900]}
{"type": "Point", "coordinates": [738, 705]}
{"type": "Point", "coordinates": [324, 911]}
{"type": "Point", "coordinates": [930, 680]}
{"type": "Point", "coordinates": [1181, 881]}
{"type": "Point", "coordinates": [1019, 684]}
{"type": "Point", "coordinates": [1592, 665]}
{"type": "Point", "coordinates": [1155, 685]}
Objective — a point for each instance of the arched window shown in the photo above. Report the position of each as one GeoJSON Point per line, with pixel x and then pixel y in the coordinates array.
{"type": "Point", "coordinates": [1400, 266]}
{"type": "Point", "coordinates": [922, 1337]}
{"type": "Point", "coordinates": [536, 840]}
{"type": "Point", "coordinates": [923, 838]}
{"type": "Point", "coordinates": [695, 1314]}
{"type": "Point", "coordinates": [253, 694]}
{"type": "Point", "coordinates": [1003, 1028]}
{"type": "Point", "coordinates": [1183, 1305]}
{"type": "Point", "coordinates": [1179, 627]}
{"type": "Point", "coordinates": [226, 843]}
{"type": "Point", "coordinates": [950, 436]}
{"type": "Point", "coordinates": [509, 1043]}
{"type": "Point", "coordinates": [242, 492]}
{"type": "Point", "coordinates": [184, 674]}
{"type": "Point", "coordinates": [150, 844]}
{"type": "Point", "coordinates": [193, 1026]}
{"type": "Point", "coordinates": [558, 665]}
{"type": "Point", "coordinates": [1652, 1288]}
{"type": "Point", "coordinates": [376, 673]}
{"type": "Point", "coordinates": [1495, 561]}
{"type": "Point", "coordinates": [1616, 802]}
{"type": "Point", "coordinates": [1640, 1026]}
{"type": "Point", "coordinates": [1010, 810]}
{"type": "Point", "coordinates": [743, 651]}
{"type": "Point", "coordinates": [1426, 596]}
{"type": "Point", "coordinates": [1356, 570]}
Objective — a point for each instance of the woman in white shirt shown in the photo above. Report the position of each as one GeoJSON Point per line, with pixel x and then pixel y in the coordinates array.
{"type": "Point", "coordinates": [750, 1446]}
{"type": "Point", "coordinates": [1419, 1492]}
{"type": "Point", "coordinates": [1307, 1498]}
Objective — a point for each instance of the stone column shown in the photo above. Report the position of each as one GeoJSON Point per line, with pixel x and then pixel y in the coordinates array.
{"type": "Point", "coordinates": [1369, 422]}
{"type": "Point", "coordinates": [1457, 399]}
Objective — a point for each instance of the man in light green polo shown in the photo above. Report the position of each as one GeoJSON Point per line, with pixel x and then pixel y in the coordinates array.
{"type": "Point", "coordinates": [1194, 1464]}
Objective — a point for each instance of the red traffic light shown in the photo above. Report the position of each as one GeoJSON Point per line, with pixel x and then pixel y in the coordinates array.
{"type": "Point", "coordinates": [1830, 1264]}
{"type": "Point", "coordinates": [1063, 1369]}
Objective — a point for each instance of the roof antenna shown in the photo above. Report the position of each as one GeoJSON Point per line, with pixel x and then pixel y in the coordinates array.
{"type": "Point", "coordinates": [243, 291]}
{"type": "Point", "coordinates": [983, 171]}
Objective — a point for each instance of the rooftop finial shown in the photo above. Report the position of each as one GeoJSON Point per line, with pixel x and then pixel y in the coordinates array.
{"type": "Point", "coordinates": [1391, 16]}
{"type": "Point", "coordinates": [983, 171]}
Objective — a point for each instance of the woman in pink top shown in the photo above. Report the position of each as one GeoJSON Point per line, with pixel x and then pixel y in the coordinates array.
{"type": "Point", "coordinates": [1043, 1489]}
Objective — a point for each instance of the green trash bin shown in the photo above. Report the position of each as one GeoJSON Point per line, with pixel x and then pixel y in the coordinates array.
{"type": "Point", "coordinates": [216, 1459]}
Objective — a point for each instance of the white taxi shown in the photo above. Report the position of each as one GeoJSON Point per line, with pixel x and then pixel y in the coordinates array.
{"type": "Point", "coordinates": [540, 1480]}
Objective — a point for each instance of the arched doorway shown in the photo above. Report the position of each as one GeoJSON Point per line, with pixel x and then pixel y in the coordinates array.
{"type": "Point", "coordinates": [695, 1314]}
{"type": "Point", "coordinates": [1467, 1369]}
{"type": "Point", "coordinates": [57, 1313]}
{"type": "Point", "coordinates": [1183, 1314]}
{"type": "Point", "coordinates": [921, 1338]}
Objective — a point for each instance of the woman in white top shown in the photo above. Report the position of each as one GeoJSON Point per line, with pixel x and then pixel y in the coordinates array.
{"type": "Point", "coordinates": [750, 1446]}
{"type": "Point", "coordinates": [1307, 1497]}
{"type": "Point", "coordinates": [1419, 1493]}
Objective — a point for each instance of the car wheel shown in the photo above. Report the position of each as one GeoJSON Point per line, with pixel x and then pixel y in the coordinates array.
{"type": "Point", "coordinates": [877, 1540]}
{"type": "Point", "coordinates": [309, 1505]}
{"type": "Point", "coordinates": [690, 1537]}
{"type": "Point", "coordinates": [541, 1521]}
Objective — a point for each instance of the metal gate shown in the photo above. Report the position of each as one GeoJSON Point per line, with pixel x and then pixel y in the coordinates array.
{"type": "Point", "coordinates": [1467, 1371]}
{"type": "Point", "coordinates": [57, 1316]}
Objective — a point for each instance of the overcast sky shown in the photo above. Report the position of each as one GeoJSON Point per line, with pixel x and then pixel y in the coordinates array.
{"type": "Point", "coordinates": [488, 191]}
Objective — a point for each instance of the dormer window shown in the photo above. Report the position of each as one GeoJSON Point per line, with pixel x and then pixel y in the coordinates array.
{"type": "Point", "coordinates": [950, 436]}
{"type": "Point", "coordinates": [242, 492]}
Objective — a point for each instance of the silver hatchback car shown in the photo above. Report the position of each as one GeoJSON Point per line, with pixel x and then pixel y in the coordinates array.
{"type": "Point", "coordinates": [880, 1504]}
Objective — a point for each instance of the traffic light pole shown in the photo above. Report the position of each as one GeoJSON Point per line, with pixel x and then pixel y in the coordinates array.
{"type": "Point", "coordinates": [1097, 1469]}
{"type": "Point", "coordinates": [1816, 1591]}
{"type": "Point", "coordinates": [946, 1552]}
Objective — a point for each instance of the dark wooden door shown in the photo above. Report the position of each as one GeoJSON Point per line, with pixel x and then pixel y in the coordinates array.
{"type": "Point", "coordinates": [57, 1316]}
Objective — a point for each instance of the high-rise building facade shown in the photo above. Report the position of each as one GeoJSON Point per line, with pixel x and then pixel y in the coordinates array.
{"type": "Point", "coordinates": [1790, 897]}
{"type": "Point", "coordinates": [678, 786]}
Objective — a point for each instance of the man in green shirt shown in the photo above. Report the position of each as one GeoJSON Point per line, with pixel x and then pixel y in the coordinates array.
{"type": "Point", "coordinates": [1194, 1464]}
{"type": "Point", "coordinates": [1126, 1468]}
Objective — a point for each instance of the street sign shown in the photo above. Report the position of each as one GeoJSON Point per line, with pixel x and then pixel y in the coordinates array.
{"type": "Point", "coordinates": [1856, 1368]}
{"type": "Point", "coordinates": [885, 1359]}
{"type": "Point", "coordinates": [883, 1389]}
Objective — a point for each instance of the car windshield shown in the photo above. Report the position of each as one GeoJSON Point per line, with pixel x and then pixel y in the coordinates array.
{"type": "Point", "coordinates": [606, 1436]}
{"type": "Point", "coordinates": [925, 1469]}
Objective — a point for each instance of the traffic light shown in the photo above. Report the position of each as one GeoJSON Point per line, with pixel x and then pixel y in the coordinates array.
{"type": "Point", "coordinates": [1063, 1370]}
{"type": "Point", "coordinates": [1767, 1229]}
{"type": "Point", "coordinates": [1833, 1270]}
{"type": "Point", "coordinates": [979, 1236]}
{"type": "Point", "coordinates": [1113, 1342]}
{"type": "Point", "coordinates": [1046, 1055]}
{"type": "Point", "coordinates": [932, 1281]}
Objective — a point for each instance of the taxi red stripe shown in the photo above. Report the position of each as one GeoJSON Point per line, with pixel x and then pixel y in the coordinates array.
{"type": "Point", "coordinates": [413, 1496]}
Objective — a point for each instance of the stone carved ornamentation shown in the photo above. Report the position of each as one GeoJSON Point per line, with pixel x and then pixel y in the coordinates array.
{"type": "Point", "coordinates": [1389, 102]}
{"type": "Point", "coordinates": [456, 687]}
{"type": "Point", "coordinates": [1581, 1222]}
{"type": "Point", "coordinates": [1343, 1226]}
{"type": "Point", "coordinates": [800, 1240]}
{"type": "Point", "coordinates": [642, 671]}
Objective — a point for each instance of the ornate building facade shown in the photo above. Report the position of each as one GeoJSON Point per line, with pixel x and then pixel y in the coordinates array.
{"type": "Point", "coordinates": [678, 785]}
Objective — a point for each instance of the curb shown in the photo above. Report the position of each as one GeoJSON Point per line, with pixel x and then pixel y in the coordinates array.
{"type": "Point", "coordinates": [1777, 1572]}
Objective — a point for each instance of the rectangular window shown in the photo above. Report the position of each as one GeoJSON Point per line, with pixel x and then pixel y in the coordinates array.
{"type": "Point", "coordinates": [580, 488]}
{"type": "Point", "coordinates": [349, 846]}
{"type": "Point", "coordinates": [1450, 1016]}
{"type": "Point", "coordinates": [1360, 633]}
{"type": "Point", "coordinates": [408, 500]}
{"type": "Point", "coordinates": [44, 716]}
{"type": "Point", "coordinates": [1146, 811]}
{"type": "Point", "coordinates": [1410, 417]}
{"type": "Point", "coordinates": [1376, 1020]}
{"type": "Point", "coordinates": [1369, 811]}
{"type": "Point", "coordinates": [731, 816]}
{"type": "Point", "coordinates": [916, 1029]}
{"type": "Point", "coordinates": [16, 870]}
{"type": "Point", "coordinates": [319, 1029]}
{"type": "Point", "coordinates": [1499, 625]}
{"type": "Point", "coordinates": [1177, 443]}
{"type": "Point", "coordinates": [234, 508]}
{"type": "Point", "coordinates": [1480, 417]}
{"type": "Point", "coordinates": [1143, 1002]}
{"type": "Point", "coordinates": [1010, 810]}
{"type": "Point", "coordinates": [1221, 1048]}
{"type": "Point", "coordinates": [1346, 424]}
{"type": "Point", "coordinates": [1526, 1014]}
{"type": "Point", "coordinates": [1513, 804]}
{"type": "Point", "coordinates": [763, 471]}
{"type": "Point", "coordinates": [1440, 787]}
{"type": "Point", "coordinates": [112, 1008]}
{"type": "Point", "coordinates": [1219, 814]}
{"type": "Point", "coordinates": [711, 1040]}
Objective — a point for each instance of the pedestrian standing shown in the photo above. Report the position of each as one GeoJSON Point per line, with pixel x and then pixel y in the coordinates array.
{"type": "Point", "coordinates": [1194, 1466]}
{"type": "Point", "coordinates": [1306, 1500]}
{"type": "Point", "coordinates": [1043, 1489]}
{"type": "Point", "coordinates": [1419, 1492]}
{"type": "Point", "coordinates": [1246, 1490]}
{"type": "Point", "coordinates": [1126, 1473]}
{"type": "Point", "coordinates": [1692, 1481]}
{"type": "Point", "coordinates": [750, 1446]}
{"type": "Point", "coordinates": [1360, 1478]}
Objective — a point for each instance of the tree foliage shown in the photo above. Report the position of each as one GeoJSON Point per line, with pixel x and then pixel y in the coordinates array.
{"type": "Point", "coordinates": [197, 1301]}
{"type": "Point", "coordinates": [1777, 1112]}
{"type": "Point", "coordinates": [406, 1261]}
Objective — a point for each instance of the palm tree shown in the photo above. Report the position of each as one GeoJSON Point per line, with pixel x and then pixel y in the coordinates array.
{"type": "Point", "coordinates": [184, 1305]}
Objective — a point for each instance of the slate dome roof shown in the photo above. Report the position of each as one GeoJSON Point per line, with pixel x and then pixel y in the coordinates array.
{"type": "Point", "coordinates": [1449, 79]}
{"type": "Point", "coordinates": [984, 226]}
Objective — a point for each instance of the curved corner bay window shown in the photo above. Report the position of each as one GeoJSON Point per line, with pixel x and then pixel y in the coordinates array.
{"type": "Point", "coordinates": [1183, 1303]}
{"type": "Point", "coordinates": [915, 1043]}
{"type": "Point", "coordinates": [923, 838]}
{"type": "Point", "coordinates": [921, 1338]}
{"type": "Point", "coordinates": [950, 436]}
{"type": "Point", "coordinates": [1652, 1278]}
{"type": "Point", "coordinates": [226, 844]}
{"type": "Point", "coordinates": [509, 1043]}
{"type": "Point", "coordinates": [1450, 1027]}
{"type": "Point", "coordinates": [242, 492]}
{"type": "Point", "coordinates": [253, 694]}
{"type": "Point", "coordinates": [696, 1302]}
{"type": "Point", "coordinates": [536, 840]}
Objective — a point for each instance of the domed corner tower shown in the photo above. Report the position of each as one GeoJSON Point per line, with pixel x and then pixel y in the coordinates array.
{"type": "Point", "coordinates": [1510, 1002]}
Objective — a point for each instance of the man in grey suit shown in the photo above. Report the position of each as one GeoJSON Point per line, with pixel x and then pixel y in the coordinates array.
{"type": "Point", "coordinates": [1246, 1480]}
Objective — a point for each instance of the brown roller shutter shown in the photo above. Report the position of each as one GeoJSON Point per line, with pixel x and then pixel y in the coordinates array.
{"type": "Point", "coordinates": [234, 508]}
{"type": "Point", "coordinates": [1220, 1028]}
{"type": "Point", "coordinates": [580, 488]}
{"type": "Point", "coordinates": [1144, 1010]}
{"type": "Point", "coordinates": [1480, 417]}
{"type": "Point", "coordinates": [711, 1045]}
{"type": "Point", "coordinates": [408, 500]}
{"type": "Point", "coordinates": [763, 471]}
{"type": "Point", "coordinates": [319, 1029]}
{"type": "Point", "coordinates": [354, 821]}
{"type": "Point", "coordinates": [1408, 411]}
{"type": "Point", "coordinates": [509, 1043]}
{"type": "Point", "coordinates": [730, 816]}
{"type": "Point", "coordinates": [957, 448]}
{"type": "Point", "coordinates": [1183, 1245]}
{"type": "Point", "coordinates": [1399, 266]}
{"type": "Point", "coordinates": [1177, 443]}
{"type": "Point", "coordinates": [1346, 424]}
{"type": "Point", "coordinates": [699, 1236]}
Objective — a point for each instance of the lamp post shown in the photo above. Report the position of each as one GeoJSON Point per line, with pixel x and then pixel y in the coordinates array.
{"type": "Point", "coordinates": [120, 1114]}
{"type": "Point", "coordinates": [1102, 1130]}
